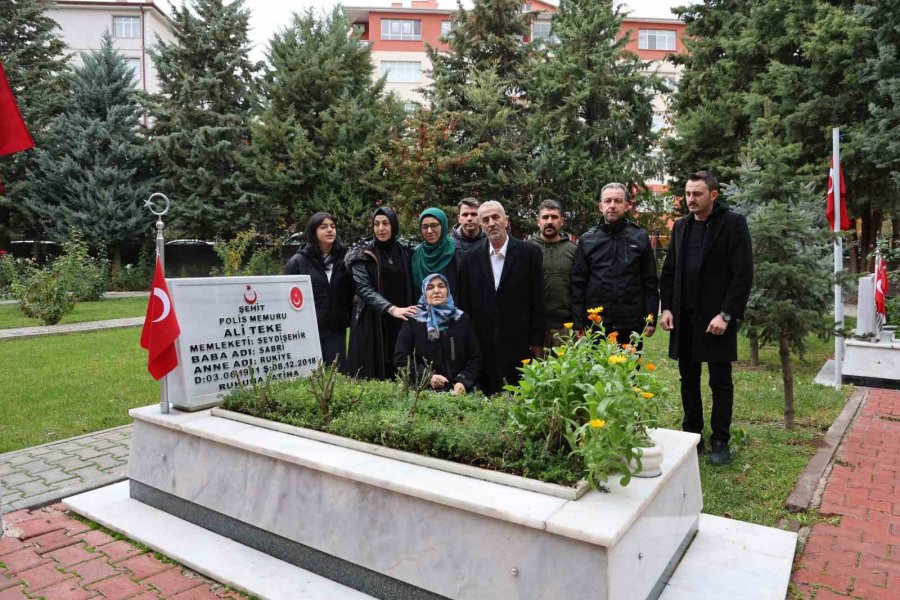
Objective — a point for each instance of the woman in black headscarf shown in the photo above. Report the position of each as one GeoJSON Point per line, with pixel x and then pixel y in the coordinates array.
{"type": "Point", "coordinates": [382, 274]}
{"type": "Point", "coordinates": [322, 258]}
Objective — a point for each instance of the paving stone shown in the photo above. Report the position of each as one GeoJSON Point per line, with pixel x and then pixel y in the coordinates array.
{"type": "Point", "coordinates": [6, 582]}
{"type": "Point", "coordinates": [94, 570]}
{"type": "Point", "coordinates": [24, 559]}
{"type": "Point", "coordinates": [118, 587]}
{"type": "Point", "coordinates": [152, 595]}
{"type": "Point", "coordinates": [201, 592]}
{"type": "Point", "coordinates": [107, 462]}
{"type": "Point", "coordinates": [34, 488]}
{"type": "Point", "coordinates": [172, 582]}
{"type": "Point", "coordinates": [41, 524]}
{"type": "Point", "coordinates": [16, 593]}
{"type": "Point", "coordinates": [87, 453]}
{"type": "Point", "coordinates": [42, 576]}
{"type": "Point", "coordinates": [17, 478]}
{"type": "Point", "coordinates": [70, 463]}
{"type": "Point", "coordinates": [54, 455]}
{"type": "Point", "coordinates": [95, 538]}
{"type": "Point", "coordinates": [72, 555]}
{"type": "Point", "coordinates": [54, 476]}
{"type": "Point", "coordinates": [19, 459]}
{"type": "Point", "coordinates": [52, 541]}
{"type": "Point", "coordinates": [7, 469]}
{"type": "Point", "coordinates": [119, 550]}
{"type": "Point", "coordinates": [70, 589]}
{"type": "Point", "coordinates": [145, 566]}
{"type": "Point", "coordinates": [35, 466]}
{"type": "Point", "coordinates": [87, 473]}
{"type": "Point", "coordinates": [100, 443]}
{"type": "Point", "coordinates": [10, 544]}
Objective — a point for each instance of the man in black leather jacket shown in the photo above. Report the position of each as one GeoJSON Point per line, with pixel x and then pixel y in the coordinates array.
{"type": "Point", "coordinates": [615, 268]}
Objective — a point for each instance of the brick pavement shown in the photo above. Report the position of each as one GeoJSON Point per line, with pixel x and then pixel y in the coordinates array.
{"type": "Point", "coordinates": [860, 556]}
{"type": "Point", "coordinates": [48, 554]}
{"type": "Point", "coordinates": [36, 476]}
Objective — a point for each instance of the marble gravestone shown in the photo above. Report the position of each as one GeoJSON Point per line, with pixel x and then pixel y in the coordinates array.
{"type": "Point", "coordinates": [239, 331]}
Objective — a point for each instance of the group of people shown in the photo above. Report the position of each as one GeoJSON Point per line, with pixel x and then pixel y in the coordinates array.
{"type": "Point", "coordinates": [465, 307]}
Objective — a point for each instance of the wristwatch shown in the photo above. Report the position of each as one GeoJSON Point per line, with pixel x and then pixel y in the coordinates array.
{"type": "Point", "coordinates": [725, 316]}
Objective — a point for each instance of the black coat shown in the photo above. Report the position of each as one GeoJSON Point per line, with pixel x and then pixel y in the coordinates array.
{"type": "Point", "coordinates": [614, 267]}
{"type": "Point", "coordinates": [455, 354]}
{"type": "Point", "coordinates": [723, 284]}
{"type": "Point", "coordinates": [507, 321]}
{"type": "Point", "coordinates": [366, 357]}
{"type": "Point", "coordinates": [334, 298]}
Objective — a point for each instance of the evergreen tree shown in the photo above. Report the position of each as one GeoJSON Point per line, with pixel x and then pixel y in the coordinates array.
{"type": "Point", "coordinates": [202, 117]}
{"type": "Point", "coordinates": [91, 172]}
{"type": "Point", "coordinates": [34, 59]}
{"type": "Point", "coordinates": [323, 126]}
{"type": "Point", "coordinates": [592, 116]}
{"type": "Point", "coordinates": [785, 219]}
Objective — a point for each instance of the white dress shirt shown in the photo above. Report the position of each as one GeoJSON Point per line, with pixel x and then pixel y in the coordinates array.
{"type": "Point", "coordinates": [498, 257]}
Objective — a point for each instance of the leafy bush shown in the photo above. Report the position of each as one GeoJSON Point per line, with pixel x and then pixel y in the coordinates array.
{"type": "Point", "coordinates": [264, 259]}
{"type": "Point", "coordinates": [79, 272]}
{"type": "Point", "coordinates": [11, 270]}
{"type": "Point", "coordinates": [135, 278]}
{"type": "Point", "coordinates": [469, 429]}
{"type": "Point", "coordinates": [43, 294]}
{"type": "Point", "coordinates": [892, 307]}
{"type": "Point", "coordinates": [593, 397]}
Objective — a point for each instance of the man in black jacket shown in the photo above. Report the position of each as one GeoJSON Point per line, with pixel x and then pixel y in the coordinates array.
{"type": "Point", "coordinates": [615, 268]}
{"type": "Point", "coordinates": [469, 233]}
{"type": "Point", "coordinates": [502, 290]}
{"type": "Point", "coordinates": [705, 284]}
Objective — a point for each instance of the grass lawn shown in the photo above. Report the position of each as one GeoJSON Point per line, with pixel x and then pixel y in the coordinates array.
{"type": "Point", "coordinates": [765, 468]}
{"type": "Point", "coordinates": [61, 386]}
{"type": "Point", "coordinates": [117, 308]}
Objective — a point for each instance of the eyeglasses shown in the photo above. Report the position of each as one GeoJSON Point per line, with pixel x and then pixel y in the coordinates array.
{"type": "Point", "coordinates": [431, 226]}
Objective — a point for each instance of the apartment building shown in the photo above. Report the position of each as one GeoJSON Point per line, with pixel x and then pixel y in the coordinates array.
{"type": "Point", "coordinates": [133, 24]}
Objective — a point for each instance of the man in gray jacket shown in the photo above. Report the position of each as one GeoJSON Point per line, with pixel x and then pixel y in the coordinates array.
{"type": "Point", "coordinates": [559, 252]}
{"type": "Point", "coordinates": [469, 233]}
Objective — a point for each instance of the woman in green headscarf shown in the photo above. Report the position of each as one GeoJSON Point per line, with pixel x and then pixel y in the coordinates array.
{"type": "Point", "coordinates": [437, 253]}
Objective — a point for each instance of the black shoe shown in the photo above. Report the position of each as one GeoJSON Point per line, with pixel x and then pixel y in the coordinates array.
{"type": "Point", "coordinates": [720, 454]}
{"type": "Point", "coordinates": [700, 447]}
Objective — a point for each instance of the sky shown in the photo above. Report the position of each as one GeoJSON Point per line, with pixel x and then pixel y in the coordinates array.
{"type": "Point", "coordinates": [268, 16]}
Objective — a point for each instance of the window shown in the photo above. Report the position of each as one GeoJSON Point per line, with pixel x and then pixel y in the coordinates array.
{"type": "Point", "coordinates": [127, 27]}
{"type": "Point", "coordinates": [656, 39]}
{"type": "Point", "coordinates": [397, 29]}
{"type": "Point", "coordinates": [446, 28]}
{"type": "Point", "coordinates": [135, 65]}
{"type": "Point", "coordinates": [401, 71]}
{"type": "Point", "coordinates": [540, 31]}
{"type": "Point", "coordinates": [526, 7]}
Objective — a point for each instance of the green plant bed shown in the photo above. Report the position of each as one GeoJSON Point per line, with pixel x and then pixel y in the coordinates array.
{"type": "Point", "coordinates": [11, 315]}
{"type": "Point", "coordinates": [469, 429]}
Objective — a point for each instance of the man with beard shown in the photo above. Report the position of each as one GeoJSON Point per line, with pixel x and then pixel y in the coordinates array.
{"type": "Point", "coordinates": [559, 252]}
{"type": "Point", "coordinates": [502, 290]}
{"type": "Point", "coordinates": [615, 268]}
{"type": "Point", "coordinates": [469, 233]}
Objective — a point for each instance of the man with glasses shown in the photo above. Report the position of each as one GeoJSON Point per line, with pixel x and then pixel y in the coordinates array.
{"type": "Point", "coordinates": [614, 267]}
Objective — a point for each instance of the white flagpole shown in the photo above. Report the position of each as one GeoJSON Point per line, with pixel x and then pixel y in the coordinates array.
{"type": "Point", "coordinates": [838, 259]}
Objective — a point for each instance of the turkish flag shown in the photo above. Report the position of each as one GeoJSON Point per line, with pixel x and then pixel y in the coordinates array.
{"type": "Point", "coordinates": [14, 136]}
{"type": "Point", "coordinates": [829, 208]}
{"type": "Point", "coordinates": [160, 328]}
{"type": "Point", "coordinates": [881, 288]}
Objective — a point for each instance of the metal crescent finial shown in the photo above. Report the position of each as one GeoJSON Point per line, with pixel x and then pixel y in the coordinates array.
{"type": "Point", "coordinates": [148, 203]}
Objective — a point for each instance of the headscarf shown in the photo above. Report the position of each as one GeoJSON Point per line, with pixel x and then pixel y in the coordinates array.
{"type": "Point", "coordinates": [433, 258]}
{"type": "Point", "coordinates": [388, 212]}
{"type": "Point", "coordinates": [437, 317]}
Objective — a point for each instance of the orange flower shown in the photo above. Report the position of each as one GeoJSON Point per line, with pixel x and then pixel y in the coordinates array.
{"type": "Point", "coordinates": [650, 367]}
{"type": "Point", "coordinates": [647, 395]}
{"type": "Point", "coordinates": [629, 347]}
{"type": "Point", "coordinates": [595, 318]}
{"type": "Point", "coordinates": [613, 337]}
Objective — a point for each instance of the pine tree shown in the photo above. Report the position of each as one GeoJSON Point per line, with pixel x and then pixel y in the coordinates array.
{"type": "Point", "coordinates": [592, 116]}
{"type": "Point", "coordinates": [91, 173]}
{"type": "Point", "coordinates": [323, 126]}
{"type": "Point", "coordinates": [783, 213]}
{"type": "Point", "coordinates": [34, 59]}
{"type": "Point", "coordinates": [202, 117]}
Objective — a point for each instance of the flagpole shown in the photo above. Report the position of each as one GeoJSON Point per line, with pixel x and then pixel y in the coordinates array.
{"type": "Point", "coordinates": [838, 259]}
{"type": "Point", "coordinates": [161, 253]}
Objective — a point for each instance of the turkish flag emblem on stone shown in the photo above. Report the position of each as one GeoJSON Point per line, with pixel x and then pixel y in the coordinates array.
{"type": "Point", "coordinates": [296, 298]}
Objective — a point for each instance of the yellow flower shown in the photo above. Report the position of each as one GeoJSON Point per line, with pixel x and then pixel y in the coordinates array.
{"type": "Point", "coordinates": [650, 318]}
{"type": "Point", "coordinates": [650, 367]}
{"type": "Point", "coordinates": [595, 311]}
{"type": "Point", "coordinates": [525, 361]}
{"type": "Point", "coordinates": [616, 360]}
{"type": "Point", "coordinates": [636, 389]}
{"type": "Point", "coordinates": [647, 395]}
{"type": "Point", "coordinates": [598, 423]}
{"type": "Point", "coordinates": [568, 325]}
{"type": "Point", "coordinates": [560, 351]}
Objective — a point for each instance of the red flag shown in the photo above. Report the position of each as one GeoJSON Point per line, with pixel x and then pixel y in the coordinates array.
{"type": "Point", "coordinates": [14, 136]}
{"type": "Point", "coordinates": [160, 328]}
{"type": "Point", "coordinates": [829, 209]}
{"type": "Point", "coordinates": [881, 288]}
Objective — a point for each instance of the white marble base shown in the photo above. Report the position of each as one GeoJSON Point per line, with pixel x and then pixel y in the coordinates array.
{"type": "Point", "coordinates": [217, 557]}
{"type": "Point", "coordinates": [872, 360]}
{"type": "Point", "coordinates": [451, 535]}
{"type": "Point", "coordinates": [728, 559]}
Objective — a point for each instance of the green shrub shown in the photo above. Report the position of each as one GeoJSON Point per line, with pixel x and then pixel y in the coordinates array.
{"type": "Point", "coordinates": [11, 270]}
{"type": "Point", "coordinates": [135, 278]}
{"type": "Point", "coordinates": [264, 256]}
{"type": "Point", "coordinates": [43, 295]}
{"type": "Point", "coordinates": [892, 307]}
{"type": "Point", "coordinates": [85, 276]}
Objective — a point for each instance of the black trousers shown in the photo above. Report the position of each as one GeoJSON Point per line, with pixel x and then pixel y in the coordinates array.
{"type": "Point", "coordinates": [720, 384]}
{"type": "Point", "coordinates": [334, 346]}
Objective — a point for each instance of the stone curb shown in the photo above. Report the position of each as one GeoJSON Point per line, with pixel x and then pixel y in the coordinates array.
{"type": "Point", "coordinates": [6, 455]}
{"type": "Point", "coordinates": [40, 331]}
{"type": "Point", "coordinates": [42, 500]}
{"type": "Point", "coordinates": [804, 493]}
